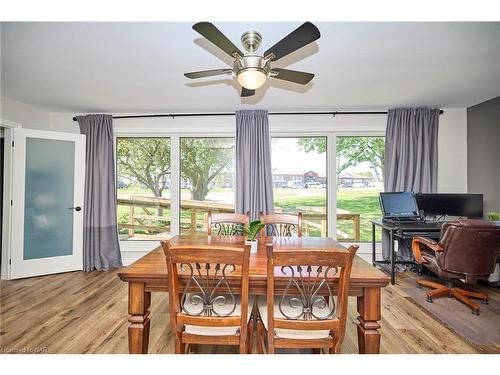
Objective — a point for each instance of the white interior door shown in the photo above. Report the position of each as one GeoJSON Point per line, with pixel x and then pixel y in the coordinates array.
{"type": "Point", "coordinates": [48, 172]}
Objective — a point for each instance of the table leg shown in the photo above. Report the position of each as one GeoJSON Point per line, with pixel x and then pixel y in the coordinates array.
{"type": "Point", "coordinates": [138, 307]}
{"type": "Point", "coordinates": [373, 244]}
{"type": "Point", "coordinates": [369, 315]}
{"type": "Point", "coordinates": [391, 246]}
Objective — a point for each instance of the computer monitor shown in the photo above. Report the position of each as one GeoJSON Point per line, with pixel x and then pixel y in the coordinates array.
{"type": "Point", "coordinates": [399, 205]}
{"type": "Point", "coordinates": [467, 205]}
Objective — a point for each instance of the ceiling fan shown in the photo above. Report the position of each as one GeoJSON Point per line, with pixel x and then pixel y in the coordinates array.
{"type": "Point", "coordinates": [250, 69]}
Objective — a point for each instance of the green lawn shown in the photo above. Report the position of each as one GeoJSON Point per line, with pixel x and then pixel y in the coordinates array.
{"type": "Point", "coordinates": [363, 201]}
{"type": "Point", "coordinates": [360, 201]}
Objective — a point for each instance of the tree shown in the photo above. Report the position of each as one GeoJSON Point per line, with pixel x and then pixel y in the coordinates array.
{"type": "Point", "coordinates": [351, 151]}
{"type": "Point", "coordinates": [147, 161]}
{"type": "Point", "coordinates": [202, 160]}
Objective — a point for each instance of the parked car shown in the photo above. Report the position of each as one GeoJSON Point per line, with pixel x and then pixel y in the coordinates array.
{"type": "Point", "coordinates": [312, 184]}
{"type": "Point", "coordinates": [121, 185]}
{"type": "Point", "coordinates": [358, 185]}
{"type": "Point", "coordinates": [295, 185]}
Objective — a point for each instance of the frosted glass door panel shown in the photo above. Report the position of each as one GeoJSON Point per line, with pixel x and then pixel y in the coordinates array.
{"type": "Point", "coordinates": [49, 197]}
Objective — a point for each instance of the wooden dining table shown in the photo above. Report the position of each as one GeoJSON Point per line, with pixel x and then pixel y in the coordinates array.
{"type": "Point", "coordinates": [149, 274]}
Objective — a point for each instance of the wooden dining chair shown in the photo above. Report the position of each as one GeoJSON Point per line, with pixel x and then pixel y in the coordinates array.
{"type": "Point", "coordinates": [307, 314]}
{"type": "Point", "coordinates": [203, 304]}
{"type": "Point", "coordinates": [224, 224]}
{"type": "Point", "coordinates": [282, 225]}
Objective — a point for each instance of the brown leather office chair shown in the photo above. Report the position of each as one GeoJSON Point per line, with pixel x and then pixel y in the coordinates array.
{"type": "Point", "coordinates": [466, 251]}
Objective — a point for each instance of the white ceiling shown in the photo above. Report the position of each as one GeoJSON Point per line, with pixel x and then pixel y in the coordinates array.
{"type": "Point", "coordinates": [138, 67]}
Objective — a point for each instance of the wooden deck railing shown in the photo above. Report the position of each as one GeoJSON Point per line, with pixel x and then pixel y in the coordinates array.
{"type": "Point", "coordinates": [143, 216]}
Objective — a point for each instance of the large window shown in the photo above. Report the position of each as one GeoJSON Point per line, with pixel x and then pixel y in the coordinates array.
{"type": "Point", "coordinates": [207, 180]}
{"type": "Point", "coordinates": [360, 162]}
{"type": "Point", "coordinates": [143, 187]}
{"type": "Point", "coordinates": [299, 180]}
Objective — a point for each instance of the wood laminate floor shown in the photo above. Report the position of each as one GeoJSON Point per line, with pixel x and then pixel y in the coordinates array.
{"type": "Point", "coordinates": [79, 312]}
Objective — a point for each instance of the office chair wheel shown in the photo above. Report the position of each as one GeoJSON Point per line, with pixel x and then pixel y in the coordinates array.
{"type": "Point", "coordinates": [475, 312]}
{"type": "Point", "coordinates": [429, 299]}
{"type": "Point", "coordinates": [485, 302]}
{"type": "Point", "coordinates": [419, 286]}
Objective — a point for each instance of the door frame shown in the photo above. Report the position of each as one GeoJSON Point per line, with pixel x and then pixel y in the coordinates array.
{"type": "Point", "coordinates": [14, 235]}
{"type": "Point", "coordinates": [7, 192]}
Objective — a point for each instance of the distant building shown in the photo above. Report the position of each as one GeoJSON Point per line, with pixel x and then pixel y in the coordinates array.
{"type": "Point", "coordinates": [282, 179]}
{"type": "Point", "coordinates": [311, 176]}
{"type": "Point", "coordinates": [297, 178]}
{"type": "Point", "coordinates": [226, 179]}
{"type": "Point", "coordinates": [349, 179]}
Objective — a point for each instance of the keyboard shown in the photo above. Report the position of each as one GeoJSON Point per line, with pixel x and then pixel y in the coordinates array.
{"type": "Point", "coordinates": [431, 235]}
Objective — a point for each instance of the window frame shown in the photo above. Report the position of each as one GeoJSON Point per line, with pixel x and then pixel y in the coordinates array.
{"type": "Point", "coordinates": [345, 125]}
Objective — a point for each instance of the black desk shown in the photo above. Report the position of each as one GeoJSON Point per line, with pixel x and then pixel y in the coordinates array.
{"type": "Point", "coordinates": [400, 230]}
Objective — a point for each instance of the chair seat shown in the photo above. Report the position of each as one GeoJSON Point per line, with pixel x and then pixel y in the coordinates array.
{"type": "Point", "coordinates": [221, 309]}
{"type": "Point", "coordinates": [287, 333]}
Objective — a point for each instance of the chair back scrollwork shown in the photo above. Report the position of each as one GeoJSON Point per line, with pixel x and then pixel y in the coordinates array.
{"type": "Point", "coordinates": [281, 230]}
{"type": "Point", "coordinates": [308, 294]}
{"type": "Point", "coordinates": [226, 224]}
{"type": "Point", "coordinates": [207, 291]}
{"type": "Point", "coordinates": [282, 225]}
{"type": "Point", "coordinates": [227, 229]}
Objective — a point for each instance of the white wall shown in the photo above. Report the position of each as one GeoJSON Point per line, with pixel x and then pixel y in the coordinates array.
{"type": "Point", "coordinates": [63, 122]}
{"type": "Point", "coordinates": [27, 115]}
{"type": "Point", "coordinates": [452, 151]}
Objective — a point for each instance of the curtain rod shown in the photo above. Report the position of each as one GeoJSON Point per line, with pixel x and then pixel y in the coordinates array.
{"type": "Point", "coordinates": [332, 113]}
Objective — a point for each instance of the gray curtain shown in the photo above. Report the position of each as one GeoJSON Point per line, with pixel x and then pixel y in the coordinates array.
{"type": "Point", "coordinates": [254, 183]}
{"type": "Point", "coordinates": [411, 152]}
{"type": "Point", "coordinates": [101, 248]}
{"type": "Point", "coordinates": [411, 159]}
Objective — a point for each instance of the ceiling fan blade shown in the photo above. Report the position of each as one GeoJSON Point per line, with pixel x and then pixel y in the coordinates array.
{"type": "Point", "coordinates": [292, 75]}
{"type": "Point", "coordinates": [213, 34]}
{"type": "Point", "coordinates": [246, 92]}
{"type": "Point", "coordinates": [300, 37]}
{"type": "Point", "coordinates": [208, 73]}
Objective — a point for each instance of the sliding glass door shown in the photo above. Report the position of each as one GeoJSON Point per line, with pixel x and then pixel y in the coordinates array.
{"type": "Point", "coordinates": [359, 166]}
{"type": "Point", "coordinates": [207, 180]}
{"type": "Point", "coordinates": [299, 169]}
{"type": "Point", "coordinates": [143, 188]}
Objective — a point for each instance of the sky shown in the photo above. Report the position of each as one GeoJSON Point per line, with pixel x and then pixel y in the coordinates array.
{"type": "Point", "coordinates": [287, 157]}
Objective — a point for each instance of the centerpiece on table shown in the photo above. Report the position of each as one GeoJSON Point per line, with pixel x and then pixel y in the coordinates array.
{"type": "Point", "coordinates": [251, 232]}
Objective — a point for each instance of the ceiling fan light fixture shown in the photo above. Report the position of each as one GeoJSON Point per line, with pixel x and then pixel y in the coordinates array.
{"type": "Point", "coordinates": [252, 69]}
{"type": "Point", "coordinates": [251, 78]}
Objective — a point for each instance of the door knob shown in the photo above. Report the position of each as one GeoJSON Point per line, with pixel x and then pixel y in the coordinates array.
{"type": "Point", "coordinates": [77, 208]}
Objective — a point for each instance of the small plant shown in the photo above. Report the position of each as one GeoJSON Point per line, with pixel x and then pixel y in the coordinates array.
{"type": "Point", "coordinates": [253, 230]}
{"type": "Point", "coordinates": [494, 216]}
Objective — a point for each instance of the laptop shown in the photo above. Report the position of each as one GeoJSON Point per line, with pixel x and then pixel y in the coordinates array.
{"type": "Point", "coordinates": [399, 206]}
